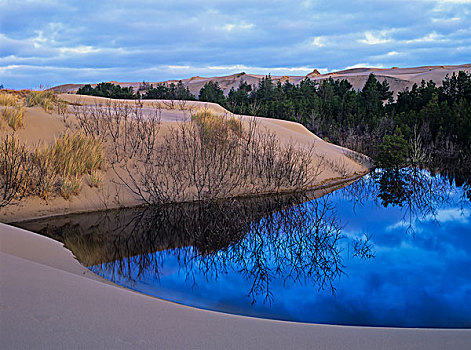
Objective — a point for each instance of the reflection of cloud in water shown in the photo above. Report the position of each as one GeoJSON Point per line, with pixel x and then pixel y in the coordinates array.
{"type": "Point", "coordinates": [457, 215]}
{"type": "Point", "coordinates": [401, 225]}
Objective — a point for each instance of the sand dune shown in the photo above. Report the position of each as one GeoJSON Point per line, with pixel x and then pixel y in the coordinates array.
{"type": "Point", "coordinates": [44, 127]}
{"type": "Point", "coordinates": [398, 78]}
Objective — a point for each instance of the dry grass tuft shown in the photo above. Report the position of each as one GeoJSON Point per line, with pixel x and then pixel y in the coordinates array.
{"type": "Point", "coordinates": [14, 116]}
{"type": "Point", "coordinates": [70, 186]}
{"type": "Point", "coordinates": [95, 179]}
{"type": "Point", "coordinates": [217, 126]}
{"type": "Point", "coordinates": [77, 154]}
{"type": "Point", "coordinates": [46, 99]}
{"type": "Point", "coordinates": [43, 176]}
{"type": "Point", "coordinates": [48, 170]}
{"type": "Point", "coordinates": [8, 99]}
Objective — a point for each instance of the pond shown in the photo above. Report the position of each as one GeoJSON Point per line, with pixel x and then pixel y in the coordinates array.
{"type": "Point", "coordinates": [392, 249]}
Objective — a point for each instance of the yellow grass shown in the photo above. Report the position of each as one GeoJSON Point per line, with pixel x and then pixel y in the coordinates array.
{"type": "Point", "coordinates": [94, 179]}
{"type": "Point", "coordinates": [14, 116]}
{"type": "Point", "coordinates": [46, 99]}
{"type": "Point", "coordinates": [58, 167]}
{"type": "Point", "coordinates": [71, 187]}
{"type": "Point", "coordinates": [43, 176]}
{"type": "Point", "coordinates": [77, 154]}
{"type": "Point", "coordinates": [216, 125]}
{"type": "Point", "coordinates": [8, 99]}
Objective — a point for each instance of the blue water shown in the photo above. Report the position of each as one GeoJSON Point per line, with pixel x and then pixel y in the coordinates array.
{"type": "Point", "coordinates": [366, 257]}
{"type": "Point", "coordinates": [393, 249]}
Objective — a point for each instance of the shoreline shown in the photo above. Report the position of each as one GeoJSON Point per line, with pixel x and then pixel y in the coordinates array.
{"type": "Point", "coordinates": [49, 300]}
{"type": "Point", "coordinates": [316, 192]}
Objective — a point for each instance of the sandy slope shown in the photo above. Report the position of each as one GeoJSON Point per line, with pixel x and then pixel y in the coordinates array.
{"type": "Point", "coordinates": [44, 127]}
{"type": "Point", "coordinates": [49, 301]}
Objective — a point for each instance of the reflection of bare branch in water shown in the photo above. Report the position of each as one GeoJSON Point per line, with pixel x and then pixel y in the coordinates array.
{"type": "Point", "coordinates": [418, 193]}
{"type": "Point", "coordinates": [263, 239]}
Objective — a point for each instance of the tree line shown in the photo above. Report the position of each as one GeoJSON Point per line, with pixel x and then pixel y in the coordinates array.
{"type": "Point", "coordinates": [146, 91]}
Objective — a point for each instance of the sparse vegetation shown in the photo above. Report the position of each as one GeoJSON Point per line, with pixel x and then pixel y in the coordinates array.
{"type": "Point", "coordinates": [13, 112]}
{"type": "Point", "coordinates": [94, 179]}
{"type": "Point", "coordinates": [43, 175]}
{"type": "Point", "coordinates": [211, 156]}
{"type": "Point", "coordinates": [47, 170]}
{"type": "Point", "coordinates": [215, 125]}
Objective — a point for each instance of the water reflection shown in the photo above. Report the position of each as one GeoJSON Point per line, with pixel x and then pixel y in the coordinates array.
{"type": "Point", "coordinates": [388, 250]}
{"type": "Point", "coordinates": [419, 194]}
{"type": "Point", "coordinates": [262, 239]}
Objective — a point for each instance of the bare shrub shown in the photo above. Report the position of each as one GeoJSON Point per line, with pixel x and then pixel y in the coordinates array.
{"type": "Point", "coordinates": [211, 156]}
{"type": "Point", "coordinates": [215, 157]}
{"type": "Point", "coordinates": [358, 157]}
{"type": "Point", "coordinates": [127, 131]}
{"type": "Point", "coordinates": [339, 165]}
{"type": "Point", "coordinates": [13, 169]}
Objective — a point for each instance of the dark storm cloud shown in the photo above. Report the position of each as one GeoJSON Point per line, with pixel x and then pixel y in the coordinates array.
{"type": "Point", "coordinates": [53, 42]}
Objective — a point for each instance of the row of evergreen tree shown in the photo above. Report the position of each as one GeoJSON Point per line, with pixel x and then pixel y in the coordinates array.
{"type": "Point", "coordinates": [426, 124]}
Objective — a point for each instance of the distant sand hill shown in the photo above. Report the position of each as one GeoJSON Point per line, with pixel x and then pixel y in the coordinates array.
{"type": "Point", "coordinates": [398, 78]}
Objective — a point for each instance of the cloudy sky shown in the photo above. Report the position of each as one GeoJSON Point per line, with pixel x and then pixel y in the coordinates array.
{"type": "Point", "coordinates": [51, 42]}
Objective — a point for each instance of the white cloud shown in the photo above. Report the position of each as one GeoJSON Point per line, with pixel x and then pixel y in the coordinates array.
{"type": "Point", "coordinates": [229, 69]}
{"type": "Point", "coordinates": [401, 225]}
{"type": "Point", "coordinates": [429, 38]}
{"type": "Point", "coordinates": [81, 49]}
{"type": "Point", "coordinates": [239, 26]}
{"type": "Point", "coordinates": [375, 38]}
{"type": "Point", "coordinates": [319, 41]}
{"type": "Point", "coordinates": [363, 65]}
{"type": "Point", "coordinates": [446, 20]}
{"type": "Point", "coordinates": [179, 67]}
